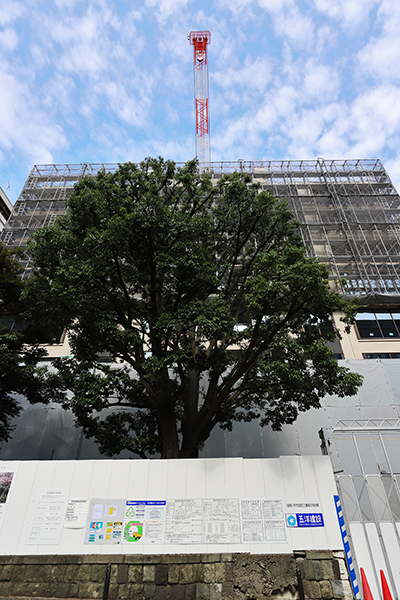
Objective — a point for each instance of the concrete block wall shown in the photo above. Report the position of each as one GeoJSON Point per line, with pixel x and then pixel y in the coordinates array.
{"type": "Point", "coordinates": [177, 576]}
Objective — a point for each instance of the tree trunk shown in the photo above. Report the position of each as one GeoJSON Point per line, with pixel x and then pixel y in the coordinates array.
{"type": "Point", "coordinates": [167, 427]}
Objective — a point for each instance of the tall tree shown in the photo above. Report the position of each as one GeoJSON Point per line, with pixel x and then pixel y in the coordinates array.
{"type": "Point", "coordinates": [203, 293]}
{"type": "Point", "coordinates": [19, 349]}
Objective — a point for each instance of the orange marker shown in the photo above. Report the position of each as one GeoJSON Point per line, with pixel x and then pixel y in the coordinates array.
{"type": "Point", "coordinates": [366, 588]}
{"type": "Point", "coordinates": [385, 588]}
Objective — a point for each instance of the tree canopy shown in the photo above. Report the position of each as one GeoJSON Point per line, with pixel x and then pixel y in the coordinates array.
{"type": "Point", "coordinates": [19, 349]}
{"type": "Point", "coordinates": [201, 291]}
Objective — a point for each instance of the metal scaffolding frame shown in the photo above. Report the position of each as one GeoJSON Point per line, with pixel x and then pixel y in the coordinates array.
{"type": "Point", "coordinates": [349, 212]}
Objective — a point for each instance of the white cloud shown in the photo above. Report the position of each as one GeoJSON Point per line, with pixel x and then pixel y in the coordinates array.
{"type": "Point", "coordinates": [10, 11]}
{"type": "Point", "coordinates": [92, 44]}
{"type": "Point", "coordinates": [326, 37]}
{"type": "Point", "coordinates": [40, 55]}
{"type": "Point", "coordinates": [290, 23]}
{"type": "Point", "coordinates": [9, 39]}
{"type": "Point", "coordinates": [254, 74]}
{"type": "Point", "coordinates": [361, 129]}
{"type": "Point", "coordinates": [321, 82]}
{"type": "Point", "coordinates": [93, 61]}
{"type": "Point", "coordinates": [351, 14]}
{"type": "Point", "coordinates": [236, 6]}
{"type": "Point", "coordinates": [124, 105]}
{"type": "Point", "coordinates": [67, 4]}
{"type": "Point", "coordinates": [58, 94]}
{"type": "Point", "coordinates": [25, 128]}
{"type": "Point", "coordinates": [79, 40]}
{"type": "Point", "coordinates": [380, 58]}
{"type": "Point", "coordinates": [376, 117]}
{"type": "Point", "coordinates": [380, 55]}
{"type": "Point", "coordinates": [245, 133]}
{"type": "Point", "coordinates": [305, 129]}
{"type": "Point", "coordinates": [166, 8]}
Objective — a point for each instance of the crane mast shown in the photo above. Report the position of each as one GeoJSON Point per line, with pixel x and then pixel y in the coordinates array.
{"type": "Point", "coordinates": [199, 41]}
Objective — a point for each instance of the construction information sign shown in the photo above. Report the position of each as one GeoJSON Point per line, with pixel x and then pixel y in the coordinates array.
{"type": "Point", "coordinates": [221, 522]}
{"type": "Point", "coordinates": [105, 523]}
{"type": "Point", "coordinates": [262, 520]}
{"type": "Point", "coordinates": [303, 513]}
{"type": "Point", "coordinates": [144, 521]}
{"type": "Point", "coordinates": [48, 517]}
{"type": "Point", "coordinates": [198, 521]}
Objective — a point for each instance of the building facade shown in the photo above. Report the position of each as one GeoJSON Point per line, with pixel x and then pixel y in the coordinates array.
{"type": "Point", "coordinates": [5, 208]}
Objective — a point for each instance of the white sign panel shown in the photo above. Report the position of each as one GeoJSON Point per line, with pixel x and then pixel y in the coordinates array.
{"type": "Point", "coordinates": [48, 517]}
{"type": "Point", "coordinates": [144, 521]}
{"type": "Point", "coordinates": [262, 520]}
{"type": "Point", "coordinates": [183, 522]}
{"type": "Point", "coordinates": [303, 513]}
{"type": "Point", "coordinates": [76, 513]}
{"type": "Point", "coordinates": [105, 524]}
{"type": "Point", "coordinates": [221, 521]}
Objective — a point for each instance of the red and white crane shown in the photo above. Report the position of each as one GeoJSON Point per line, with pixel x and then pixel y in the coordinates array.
{"type": "Point", "coordinates": [199, 41]}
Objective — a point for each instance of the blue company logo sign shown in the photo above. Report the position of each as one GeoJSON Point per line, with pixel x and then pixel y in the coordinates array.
{"type": "Point", "coordinates": [304, 520]}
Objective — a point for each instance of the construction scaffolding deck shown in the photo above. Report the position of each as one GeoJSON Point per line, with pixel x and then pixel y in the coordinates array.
{"type": "Point", "coordinates": [349, 212]}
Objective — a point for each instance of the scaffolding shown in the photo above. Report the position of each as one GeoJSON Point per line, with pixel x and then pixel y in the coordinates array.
{"type": "Point", "coordinates": [348, 210]}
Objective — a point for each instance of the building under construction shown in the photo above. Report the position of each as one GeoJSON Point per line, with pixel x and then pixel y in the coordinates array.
{"type": "Point", "coordinates": [349, 212]}
{"type": "Point", "coordinates": [349, 215]}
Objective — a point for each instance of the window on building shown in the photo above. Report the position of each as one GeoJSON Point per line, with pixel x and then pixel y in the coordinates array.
{"type": "Point", "coordinates": [381, 355]}
{"type": "Point", "coordinates": [46, 337]}
{"type": "Point", "coordinates": [378, 325]}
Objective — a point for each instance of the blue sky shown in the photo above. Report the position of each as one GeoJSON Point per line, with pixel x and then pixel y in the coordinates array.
{"type": "Point", "coordinates": [112, 80]}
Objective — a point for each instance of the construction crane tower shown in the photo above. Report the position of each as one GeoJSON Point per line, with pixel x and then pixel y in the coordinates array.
{"type": "Point", "coordinates": [199, 41]}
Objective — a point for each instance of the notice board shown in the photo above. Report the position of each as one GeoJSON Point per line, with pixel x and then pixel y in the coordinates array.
{"type": "Point", "coordinates": [168, 506]}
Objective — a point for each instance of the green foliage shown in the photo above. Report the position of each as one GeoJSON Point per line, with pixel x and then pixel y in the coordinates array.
{"type": "Point", "coordinates": [19, 373]}
{"type": "Point", "coordinates": [156, 265]}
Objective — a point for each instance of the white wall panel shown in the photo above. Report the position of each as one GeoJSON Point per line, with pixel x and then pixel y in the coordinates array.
{"type": "Point", "coordinates": [392, 551]}
{"type": "Point", "coordinates": [273, 478]}
{"type": "Point", "coordinates": [285, 478]}
{"type": "Point", "coordinates": [157, 480]}
{"type": "Point", "coordinates": [253, 479]}
{"type": "Point", "coordinates": [294, 490]}
{"type": "Point", "coordinates": [138, 480]}
{"type": "Point", "coordinates": [100, 481]}
{"type": "Point", "coordinates": [215, 478]}
{"type": "Point", "coordinates": [318, 534]}
{"type": "Point", "coordinates": [377, 554]}
{"type": "Point", "coordinates": [363, 555]}
{"type": "Point", "coordinates": [292, 476]}
{"type": "Point", "coordinates": [196, 479]}
{"type": "Point", "coordinates": [119, 479]}
{"type": "Point", "coordinates": [234, 478]}
{"type": "Point", "coordinates": [82, 479]}
{"type": "Point", "coordinates": [176, 479]}
{"type": "Point", "coordinates": [324, 481]}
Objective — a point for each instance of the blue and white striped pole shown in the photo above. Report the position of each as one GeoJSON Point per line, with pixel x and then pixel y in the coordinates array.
{"type": "Point", "coordinates": [346, 545]}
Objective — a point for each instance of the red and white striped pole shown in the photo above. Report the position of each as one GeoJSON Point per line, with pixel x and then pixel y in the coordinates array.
{"type": "Point", "coordinates": [199, 40]}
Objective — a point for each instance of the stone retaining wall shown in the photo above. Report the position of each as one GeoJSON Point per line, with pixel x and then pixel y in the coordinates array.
{"type": "Point", "coordinates": [177, 576]}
